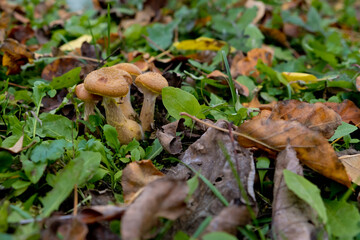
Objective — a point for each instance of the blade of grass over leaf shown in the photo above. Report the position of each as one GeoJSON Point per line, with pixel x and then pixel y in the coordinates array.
{"type": "Point", "coordinates": [229, 79]}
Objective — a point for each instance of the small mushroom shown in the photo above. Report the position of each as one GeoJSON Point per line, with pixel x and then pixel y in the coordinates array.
{"type": "Point", "coordinates": [150, 84]}
{"type": "Point", "coordinates": [89, 100]}
{"type": "Point", "coordinates": [111, 84]}
{"type": "Point", "coordinates": [134, 71]}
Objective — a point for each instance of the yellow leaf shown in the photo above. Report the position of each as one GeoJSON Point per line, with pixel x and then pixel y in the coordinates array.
{"type": "Point", "coordinates": [70, 46]}
{"type": "Point", "coordinates": [201, 43]}
{"type": "Point", "coordinates": [294, 77]}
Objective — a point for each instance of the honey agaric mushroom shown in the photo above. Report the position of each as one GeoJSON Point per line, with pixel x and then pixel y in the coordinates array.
{"type": "Point", "coordinates": [134, 71]}
{"type": "Point", "coordinates": [111, 84]}
{"type": "Point", "coordinates": [150, 84]}
{"type": "Point", "coordinates": [89, 100]}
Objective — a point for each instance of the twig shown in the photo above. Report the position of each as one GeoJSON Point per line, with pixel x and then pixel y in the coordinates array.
{"type": "Point", "coordinates": [227, 131]}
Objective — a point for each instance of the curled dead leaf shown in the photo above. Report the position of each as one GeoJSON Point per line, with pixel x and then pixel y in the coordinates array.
{"type": "Point", "coordinates": [312, 149]}
{"type": "Point", "coordinates": [101, 213]}
{"type": "Point", "coordinates": [316, 116]}
{"type": "Point", "coordinates": [167, 136]}
{"type": "Point", "coordinates": [15, 55]}
{"type": "Point", "coordinates": [163, 197]}
{"type": "Point", "coordinates": [275, 35]}
{"type": "Point", "coordinates": [136, 176]}
{"type": "Point", "coordinates": [59, 67]}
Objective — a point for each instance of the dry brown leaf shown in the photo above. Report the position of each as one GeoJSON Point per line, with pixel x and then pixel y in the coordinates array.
{"type": "Point", "coordinates": [206, 156]}
{"type": "Point", "coordinates": [348, 111]}
{"type": "Point", "coordinates": [312, 149]}
{"type": "Point", "coordinates": [316, 116]}
{"type": "Point", "coordinates": [229, 219]}
{"type": "Point", "coordinates": [141, 17]}
{"type": "Point", "coordinates": [70, 229]}
{"type": "Point", "coordinates": [59, 67]}
{"type": "Point", "coordinates": [292, 217]}
{"type": "Point", "coordinates": [352, 166]}
{"type": "Point", "coordinates": [167, 136]}
{"type": "Point", "coordinates": [163, 197]}
{"type": "Point", "coordinates": [15, 55]}
{"type": "Point", "coordinates": [275, 34]}
{"type": "Point", "coordinates": [101, 213]}
{"type": "Point", "coordinates": [21, 33]}
{"type": "Point", "coordinates": [246, 66]}
{"type": "Point", "coordinates": [136, 176]}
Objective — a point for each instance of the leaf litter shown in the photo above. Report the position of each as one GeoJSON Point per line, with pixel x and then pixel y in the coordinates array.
{"type": "Point", "coordinates": [214, 191]}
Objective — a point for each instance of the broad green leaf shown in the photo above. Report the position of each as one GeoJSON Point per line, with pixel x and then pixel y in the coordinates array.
{"type": "Point", "coordinates": [176, 101]}
{"type": "Point", "coordinates": [262, 162]}
{"type": "Point", "coordinates": [218, 235]}
{"type": "Point", "coordinates": [306, 191]}
{"type": "Point", "coordinates": [56, 126]}
{"type": "Point", "coordinates": [161, 35]}
{"type": "Point", "coordinates": [111, 137]}
{"type": "Point", "coordinates": [342, 130]}
{"type": "Point", "coordinates": [33, 170]}
{"type": "Point", "coordinates": [66, 80]}
{"type": "Point", "coordinates": [154, 150]}
{"type": "Point", "coordinates": [344, 219]}
{"type": "Point", "coordinates": [77, 171]}
{"type": "Point", "coordinates": [50, 150]}
{"type": "Point", "coordinates": [39, 91]}
{"type": "Point", "coordinates": [314, 21]}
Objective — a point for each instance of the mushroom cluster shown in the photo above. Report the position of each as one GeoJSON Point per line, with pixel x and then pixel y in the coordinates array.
{"type": "Point", "coordinates": [113, 85]}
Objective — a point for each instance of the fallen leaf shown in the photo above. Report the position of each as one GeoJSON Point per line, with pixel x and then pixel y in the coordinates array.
{"type": "Point", "coordinates": [292, 217]}
{"type": "Point", "coordinates": [163, 197]}
{"type": "Point", "coordinates": [246, 66]}
{"type": "Point", "coordinates": [15, 55]}
{"type": "Point", "coordinates": [101, 213]}
{"type": "Point", "coordinates": [70, 46]}
{"type": "Point", "coordinates": [21, 33]}
{"type": "Point", "coordinates": [217, 75]}
{"type": "Point", "coordinates": [292, 30]}
{"type": "Point", "coordinates": [316, 116]}
{"type": "Point", "coordinates": [207, 157]}
{"type": "Point", "coordinates": [312, 149]}
{"type": "Point", "coordinates": [229, 219]}
{"type": "Point", "coordinates": [201, 44]}
{"type": "Point", "coordinates": [352, 166]}
{"type": "Point", "coordinates": [294, 78]}
{"type": "Point", "coordinates": [260, 9]}
{"type": "Point", "coordinates": [136, 176]}
{"type": "Point", "coordinates": [59, 67]}
{"type": "Point", "coordinates": [168, 138]}
{"type": "Point", "coordinates": [275, 34]}
{"type": "Point", "coordinates": [348, 111]}
{"type": "Point", "coordinates": [142, 18]}
{"type": "Point", "coordinates": [69, 229]}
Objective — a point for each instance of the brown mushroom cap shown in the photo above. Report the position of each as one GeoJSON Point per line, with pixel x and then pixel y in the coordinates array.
{"type": "Point", "coordinates": [152, 81]}
{"type": "Point", "coordinates": [132, 69]}
{"type": "Point", "coordinates": [84, 95]}
{"type": "Point", "coordinates": [108, 82]}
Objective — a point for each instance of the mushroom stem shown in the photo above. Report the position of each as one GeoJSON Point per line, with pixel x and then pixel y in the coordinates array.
{"type": "Point", "coordinates": [127, 129]}
{"type": "Point", "coordinates": [126, 107]}
{"type": "Point", "coordinates": [147, 110]}
{"type": "Point", "coordinates": [88, 110]}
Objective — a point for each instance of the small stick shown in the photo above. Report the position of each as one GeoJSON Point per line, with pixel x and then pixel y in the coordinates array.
{"type": "Point", "coordinates": [227, 131]}
{"type": "Point", "coordinates": [76, 201]}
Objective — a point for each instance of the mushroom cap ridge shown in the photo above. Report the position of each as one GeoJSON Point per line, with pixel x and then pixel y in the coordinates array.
{"type": "Point", "coordinates": [152, 81]}
{"type": "Point", "coordinates": [108, 82]}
